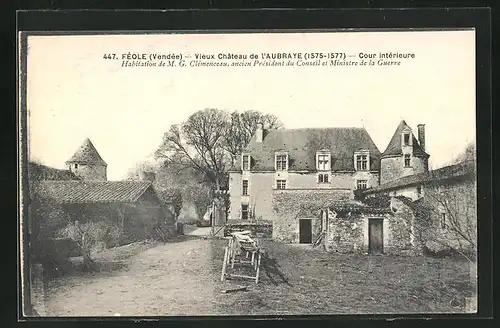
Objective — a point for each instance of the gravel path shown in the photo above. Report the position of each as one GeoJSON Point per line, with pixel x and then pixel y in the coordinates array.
{"type": "Point", "coordinates": [169, 279]}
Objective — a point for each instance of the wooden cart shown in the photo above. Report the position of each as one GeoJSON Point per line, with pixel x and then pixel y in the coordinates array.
{"type": "Point", "coordinates": [241, 250]}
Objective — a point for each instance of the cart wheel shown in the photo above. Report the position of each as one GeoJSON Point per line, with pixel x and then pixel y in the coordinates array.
{"type": "Point", "coordinates": [224, 264]}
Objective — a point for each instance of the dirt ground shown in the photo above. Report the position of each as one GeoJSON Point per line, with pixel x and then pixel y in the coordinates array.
{"type": "Point", "coordinates": [183, 278]}
{"type": "Point", "coordinates": [164, 280]}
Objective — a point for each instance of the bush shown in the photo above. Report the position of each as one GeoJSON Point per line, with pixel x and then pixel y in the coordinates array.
{"type": "Point", "coordinates": [163, 232]}
{"type": "Point", "coordinates": [202, 223]}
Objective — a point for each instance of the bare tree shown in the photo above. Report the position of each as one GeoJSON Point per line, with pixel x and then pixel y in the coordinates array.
{"type": "Point", "coordinates": [242, 127]}
{"type": "Point", "coordinates": [209, 141]}
{"type": "Point", "coordinates": [197, 144]}
{"type": "Point", "coordinates": [446, 217]}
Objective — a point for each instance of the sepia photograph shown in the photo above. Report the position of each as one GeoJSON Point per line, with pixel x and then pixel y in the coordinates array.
{"type": "Point", "coordinates": [257, 173]}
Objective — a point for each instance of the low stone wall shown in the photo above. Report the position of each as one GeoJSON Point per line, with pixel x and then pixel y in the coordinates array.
{"type": "Point", "coordinates": [258, 229]}
{"type": "Point", "coordinates": [346, 235]}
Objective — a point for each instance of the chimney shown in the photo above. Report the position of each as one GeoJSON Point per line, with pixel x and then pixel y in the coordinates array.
{"type": "Point", "coordinates": [147, 176]}
{"type": "Point", "coordinates": [259, 133]}
{"type": "Point", "coordinates": [421, 135]}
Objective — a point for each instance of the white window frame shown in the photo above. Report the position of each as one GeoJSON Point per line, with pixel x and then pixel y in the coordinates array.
{"type": "Point", "coordinates": [276, 156]}
{"type": "Point", "coordinates": [358, 183]}
{"type": "Point", "coordinates": [405, 157]}
{"type": "Point", "coordinates": [367, 159]}
{"type": "Point", "coordinates": [327, 161]}
{"type": "Point", "coordinates": [409, 139]}
{"type": "Point", "coordinates": [247, 212]}
{"type": "Point", "coordinates": [281, 184]}
{"type": "Point", "coordinates": [243, 168]}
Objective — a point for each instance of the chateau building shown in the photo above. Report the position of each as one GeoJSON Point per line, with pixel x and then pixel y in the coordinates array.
{"type": "Point", "coordinates": [337, 161]}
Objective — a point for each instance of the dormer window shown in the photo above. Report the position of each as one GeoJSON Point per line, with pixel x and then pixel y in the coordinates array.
{"type": "Point", "coordinates": [323, 161]}
{"type": "Point", "coordinates": [406, 139]}
{"type": "Point", "coordinates": [362, 160]}
{"type": "Point", "coordinates": [245, 162]}
{"type": "Point", "coordinates": [281, 162]}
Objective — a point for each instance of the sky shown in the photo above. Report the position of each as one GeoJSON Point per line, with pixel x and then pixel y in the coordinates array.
{"type": "Point", "coordinates": [74, 93]}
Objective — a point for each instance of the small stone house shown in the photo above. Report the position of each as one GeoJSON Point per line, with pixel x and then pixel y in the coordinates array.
{"type": "Point", "coordinates": [448, 195]}
{"type": "Point", "coordinates": [340, 224]}
{"type": "Point", "coordinates": [132, 206]}
{"type": "Point", "coordinates": [82, 193]}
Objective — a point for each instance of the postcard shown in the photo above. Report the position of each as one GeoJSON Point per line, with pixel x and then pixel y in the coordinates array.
{"type": "Point", "coordinates": [250, 173]}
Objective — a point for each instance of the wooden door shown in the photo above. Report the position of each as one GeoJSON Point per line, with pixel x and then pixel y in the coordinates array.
{"type": "Point", "coordinates": [376, 236]}
{"type": "Point", "coordinates": [305, 231]}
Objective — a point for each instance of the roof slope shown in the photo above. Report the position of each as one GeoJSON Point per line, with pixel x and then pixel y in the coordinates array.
{"type": "Point", "coordinates": [302, 145]}
{"type": "Point", "coordinates": [87, 154]}
{"type": "Point", "coordinates": [394, 146]}
{"type": "Point", "coordinates": [38, 172]}
{"type": "Point", "coordinates": [444, 173]}
{"type": "Point", "coordinates": [90, 191]}
{"type": "Point", "coordinates": [356, 207]}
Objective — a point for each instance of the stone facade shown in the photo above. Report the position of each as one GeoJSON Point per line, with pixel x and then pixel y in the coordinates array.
{"type": "Point", "coordinates": [344, 234]}
{"type": "Point", "coordinates": [392, 168]}
{"type": "Point", "coordinates": [289, 206]}
{"type": "Point", "coordinates": [89, 172]}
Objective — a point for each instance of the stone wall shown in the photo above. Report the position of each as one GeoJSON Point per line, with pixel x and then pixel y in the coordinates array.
{"type": "Point", "coordinates": [89, 172]}
{"type": "Point", "coordinates": [291, 205]}
{"type": "Point", "coordinates": [403, 231]}
{"type": "Point", "coordinates": [258, 229]}
{"type": "Point", "coordinates": [392, 168]}
{"type": "Point", "coordinates": [346, 235]}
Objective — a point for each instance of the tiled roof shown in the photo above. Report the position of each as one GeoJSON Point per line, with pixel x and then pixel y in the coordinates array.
{"type": "Point", "coordinates": [302, 145]}
{"type": "Point", "coordinates": [444, 173]}
{"type": "Point", "coordinates": [86, 154]}
{"type": "Point", "coordinates": [394, 146]}
{"type": "Point", "coordinates": [38, 172]}
{"type": "Point", "coordinates": [356, 207]}
{"type": "Point", "coordinates": [90, 191]}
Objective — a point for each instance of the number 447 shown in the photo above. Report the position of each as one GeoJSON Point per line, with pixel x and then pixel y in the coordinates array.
{"type": "Point", "coordinates": [109, 56]}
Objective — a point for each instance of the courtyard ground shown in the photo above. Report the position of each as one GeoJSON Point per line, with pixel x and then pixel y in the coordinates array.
{"type": "Point", "coordinates": [183, 278]}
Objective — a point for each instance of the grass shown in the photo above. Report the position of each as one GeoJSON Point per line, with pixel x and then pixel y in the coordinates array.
{"type": "Point", "coordinates": [302, 280]}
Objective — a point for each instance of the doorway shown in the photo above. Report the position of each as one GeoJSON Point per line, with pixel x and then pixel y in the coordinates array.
{"type": "Point", "coordinates": [376, 236]}
{"type": "Point", "coordinates": [305, 231]}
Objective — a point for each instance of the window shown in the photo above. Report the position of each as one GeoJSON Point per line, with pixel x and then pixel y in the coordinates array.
{"type": "Point", "coordinates": [323, 178]}
{"type": "Point", "coordinates": [443, 220]}
{"type": "Point", "coordinates": [419, 190]}
{"type": "Point", "coordinates": [406, 139]}
{"type": "Point", "coordinates": [407, 160]}
{"type": "Point", "coordinates": [76, 166]}
{"type": "Point", "coordinates": [245, 165]}
{"type": "Point", "coordinates": [361, 184]}
{"type": "Point", "coordinates": [245, 187]}
{"type": "Point", "coordinates": [280, 184]}
{"type": "Point", "coordinates": [244, 212]}
{"type": "Point", "coordinates": [281, 162]}
{"type": "Point", "coordinates": [323, 162]}
{"type": "Point", "coordinates": [362, 162]}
